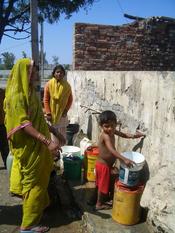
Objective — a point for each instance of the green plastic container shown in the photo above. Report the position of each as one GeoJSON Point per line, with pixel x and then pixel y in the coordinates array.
{"type": "Point", "coordinates": [72, 167]}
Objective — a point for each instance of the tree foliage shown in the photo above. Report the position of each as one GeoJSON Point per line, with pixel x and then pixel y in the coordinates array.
{"type": "Point", "coordinates": [15, 14]}
{"type": "Point", "coordinates": [24, 54]}
{"type": "Point", "coordinates": [55, 60]}
{"type": "Point", "coordinates": [8, 60]}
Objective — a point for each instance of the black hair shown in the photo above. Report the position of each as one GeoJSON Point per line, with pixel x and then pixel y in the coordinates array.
{"type": "Point", "coordinates": [58, 67]}
{"type": "Point", "coordinates": [106, 117]}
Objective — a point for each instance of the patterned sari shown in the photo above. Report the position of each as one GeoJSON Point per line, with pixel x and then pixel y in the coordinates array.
{"type": "Point", "coordinates": [32, 163]}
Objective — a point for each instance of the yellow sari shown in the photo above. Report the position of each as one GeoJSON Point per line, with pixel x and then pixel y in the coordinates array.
{"type": "Point", "coordinates": [32, 163]}
{"type": "Point", "coordinates": [59, 94]}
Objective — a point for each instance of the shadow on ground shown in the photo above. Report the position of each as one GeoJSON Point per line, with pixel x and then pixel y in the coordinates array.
{"type": "Point", "coordinates": [85, 193]}
{"type": "Point", "coordinates": [55, 217]}
{"type": "Point", "coordinates": [10, 215]}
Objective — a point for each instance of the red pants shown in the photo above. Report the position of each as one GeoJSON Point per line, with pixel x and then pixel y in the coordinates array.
{"type": "Point", "coordinates": [103, 173]}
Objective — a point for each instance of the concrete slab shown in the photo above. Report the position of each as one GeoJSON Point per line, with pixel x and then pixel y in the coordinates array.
{"type": "Point", "coordinates": [100, 221]}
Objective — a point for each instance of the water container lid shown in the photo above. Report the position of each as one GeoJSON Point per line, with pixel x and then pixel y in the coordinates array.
{"type": "Point", "coordinates": [70, 149]}
{"type": "Point", "coordinates": [134, 156]}
{"type": "Point", "coordinates": [92, 150]}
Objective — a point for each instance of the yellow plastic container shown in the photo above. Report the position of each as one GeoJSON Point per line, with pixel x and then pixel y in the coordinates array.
{"type": "Point", "coordinates": [126, 204]}
{"type": "Point", "coordinates": [91, 155]}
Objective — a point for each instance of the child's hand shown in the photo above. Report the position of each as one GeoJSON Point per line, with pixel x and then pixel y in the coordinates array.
{"type": "Point", "coordinates": [139, 134]}
{"type": "Point", "coordinates": [114, 171]}
{"type": "Point", "coordinates": [129, 163]}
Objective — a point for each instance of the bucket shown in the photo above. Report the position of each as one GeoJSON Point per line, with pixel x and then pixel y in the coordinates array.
{"type": "Point", "coordinates": [131, 176]}
{"type": "Point", "coordinates": [91, 155]}
{"type": "Point", "coordinates": [69, 150]}
{"type": "Point", "coordinates": [72, 167]}
{"type": "Point", "coordinates": [70, 131]}
{"type": "Point", "coordinates": [126, 204]}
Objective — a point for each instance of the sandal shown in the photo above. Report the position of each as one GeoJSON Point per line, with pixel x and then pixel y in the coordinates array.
{"type": "Point", "coordinates": [15, 195]}
{"type": "Point", "coordinates": [37, 229]}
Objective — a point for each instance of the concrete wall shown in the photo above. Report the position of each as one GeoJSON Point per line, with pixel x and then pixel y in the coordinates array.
{"type": "Point", "coordinates": [140, 99]}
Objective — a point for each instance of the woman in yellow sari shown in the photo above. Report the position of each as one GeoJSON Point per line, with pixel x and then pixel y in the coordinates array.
{"type": "Point", "coordinates": [30, 145]}
{"type": "Point", "coordinates": [58, 99]}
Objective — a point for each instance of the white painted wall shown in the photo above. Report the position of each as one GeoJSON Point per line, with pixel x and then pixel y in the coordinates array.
{"type": "Point", "coordinates": [145, 99]}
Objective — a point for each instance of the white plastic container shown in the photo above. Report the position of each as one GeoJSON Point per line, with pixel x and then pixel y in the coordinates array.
{"type": "Point", "coordinates": [84, 144]}
{"type": "Point", "coordinates": [131, 176]}
{"type": "Point", "coordinates": [9, 162]}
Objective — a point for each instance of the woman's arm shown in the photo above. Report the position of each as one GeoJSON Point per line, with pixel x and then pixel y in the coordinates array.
{"type": "Point", "coordinates": [52, 146]}
{"type": "Point", "coordinates": [69, 103]}
{"type": "Point", "coordinates": [46, 101]}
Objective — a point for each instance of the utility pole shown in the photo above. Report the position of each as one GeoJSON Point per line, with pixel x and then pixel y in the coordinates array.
{"type": "Point", "coordinates": [34, 40]}
{"type": "Point", "coordinates": [42, 51]}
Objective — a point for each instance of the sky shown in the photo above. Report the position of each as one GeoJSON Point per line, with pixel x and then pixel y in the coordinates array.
{"type": "Point", "coordinates": [58, 37]}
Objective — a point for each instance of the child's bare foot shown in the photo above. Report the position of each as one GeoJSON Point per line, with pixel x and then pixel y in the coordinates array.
{"type": "Point", "coordinates": [102, 207]}
{"type": "Point", "coordinates": [109, 202]}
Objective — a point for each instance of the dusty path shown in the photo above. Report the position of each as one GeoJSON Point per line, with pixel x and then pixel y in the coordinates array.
{"type": "Point", "coordinates": [61, 220]}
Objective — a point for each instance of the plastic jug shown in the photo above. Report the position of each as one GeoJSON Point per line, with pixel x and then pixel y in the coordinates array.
{"type": "Point", "coordinates": [84, 144]}
{"type": "Point", "coordinates": [9, 162]}
{"type": "Point", "coordinates": [91, 155]}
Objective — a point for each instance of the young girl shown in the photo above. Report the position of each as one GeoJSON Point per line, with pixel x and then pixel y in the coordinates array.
{"type": "Point", "coordinates": [108, 155]}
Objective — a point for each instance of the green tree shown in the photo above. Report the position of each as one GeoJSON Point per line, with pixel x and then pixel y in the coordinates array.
{"type": "Point", "coordinates": [15, 14]}
{"type": "Point", "coordinates": [66, 66]}
{"type": "Point", "coordinates": [8, 60]}
{"type": "Point", "coordinates": [2, 67]}
{"type": "Point", "coordinates": [24, 54]}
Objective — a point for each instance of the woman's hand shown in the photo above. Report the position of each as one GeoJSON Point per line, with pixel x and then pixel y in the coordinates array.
{"type": "Point", "coordinates": [58, 135]}
{"type": "Point", "coordinates": [61, 139]}
{"type": "Point", "coordinates": [48, 117]}
{"type": "Point", "coordinates": [55, 149]}
{"type": "Point", "coordinates": [64, 114]}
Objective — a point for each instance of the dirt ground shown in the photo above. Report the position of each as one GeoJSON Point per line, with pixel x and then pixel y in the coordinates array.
{"type": "Point", "coordinates": [64, 218]}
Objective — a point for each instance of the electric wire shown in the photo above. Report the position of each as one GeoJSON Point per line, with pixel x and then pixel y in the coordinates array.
{"type": "Point", "coordinates": [121, 9]}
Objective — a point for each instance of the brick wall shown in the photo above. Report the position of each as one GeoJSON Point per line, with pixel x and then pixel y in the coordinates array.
{"type": "Point", "coordinates": [143, 45]}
